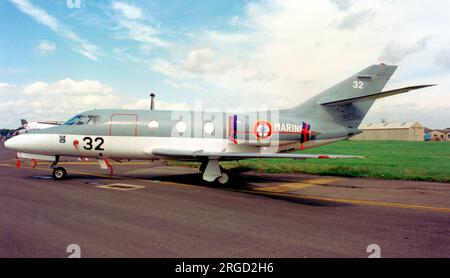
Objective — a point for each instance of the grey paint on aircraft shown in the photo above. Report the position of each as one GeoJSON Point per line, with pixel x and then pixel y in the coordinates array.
{"type": "Point", "coordinates": [327, 121]}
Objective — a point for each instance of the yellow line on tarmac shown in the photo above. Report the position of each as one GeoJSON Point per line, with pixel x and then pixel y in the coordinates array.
{"type": "Point", "coordinates": [7, 165]}
{"type": "Point", "coordinates": [104, 176]}
{"type": "Point", "coordinates": [323, 181]}
{"type": "Point", "coordinates": [284, 187]}
{"type": "Point", "coordinates": [298, 185]}
{"type": "Point", "coordinates": [294, 196]}
{"type": "Point", "coordinates": [351, 201]}
{"type": "Point", "coordinates": [121, 186]}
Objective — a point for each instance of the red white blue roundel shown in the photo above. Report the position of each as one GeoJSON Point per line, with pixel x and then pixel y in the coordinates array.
{"type": "Point", "coordinates": [263, 130]}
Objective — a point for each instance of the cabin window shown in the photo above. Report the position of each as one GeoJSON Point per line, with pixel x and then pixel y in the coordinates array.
{"type": "Point", "coordinates": [153, 124]}
{"type": "Point", "coordinates": [208, 128]}
{"type": "Point", "coordinates": [181, 126]}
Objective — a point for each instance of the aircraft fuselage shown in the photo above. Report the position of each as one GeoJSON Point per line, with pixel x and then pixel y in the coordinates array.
{"type": "Point", "coordinates": [132, 134]}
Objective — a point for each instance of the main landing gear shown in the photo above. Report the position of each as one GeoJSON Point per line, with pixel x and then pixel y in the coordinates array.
{"type": "Point", "coordinates": [212, 172]}
{"type": "Point", "coordinates": [59, 173]}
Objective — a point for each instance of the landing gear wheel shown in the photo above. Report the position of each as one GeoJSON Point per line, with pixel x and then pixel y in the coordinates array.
{"type": "Point", "coordinates": [59, 173]}
{"type": "Point", "coordinates": [223, 179]}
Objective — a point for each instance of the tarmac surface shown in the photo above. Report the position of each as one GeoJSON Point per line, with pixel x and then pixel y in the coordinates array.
{"type": "Point", "coordinates": [146, 210]}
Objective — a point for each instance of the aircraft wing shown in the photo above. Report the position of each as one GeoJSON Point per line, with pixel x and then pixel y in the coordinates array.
{"type": "Point", "coordinates": [199, 154]}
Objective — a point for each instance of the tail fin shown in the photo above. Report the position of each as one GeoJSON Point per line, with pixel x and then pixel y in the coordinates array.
{"type": "Point", "coordinates": [24, 123]}
{"type": "Point", "coordinates": [348, 102]}
{"type": "Point", "coordinates": [327, 105]}
{"type": "Point", "coordinates": [367, 82]}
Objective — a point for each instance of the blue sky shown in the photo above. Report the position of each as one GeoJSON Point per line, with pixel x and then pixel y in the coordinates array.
{"type": "Point", "coordinates": [95, 22]}
{"type": "Point", "coordinates": [227, 54]}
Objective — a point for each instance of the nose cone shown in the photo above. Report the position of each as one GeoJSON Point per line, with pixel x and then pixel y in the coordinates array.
{"type": "Point", "coordinates": [12, 143]}
{"type": "Point", "coordinates": [32, 143]}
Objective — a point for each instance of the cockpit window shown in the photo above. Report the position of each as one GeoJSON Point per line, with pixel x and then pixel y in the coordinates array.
{"type": "Point", "coordinates": [73, 120]}
{"type": "Point", "coordinates": [92, 120]}
{"type": "Point", "coordinates": [83, 120]}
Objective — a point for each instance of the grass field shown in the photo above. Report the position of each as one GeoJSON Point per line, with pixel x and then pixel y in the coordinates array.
{"type": "Point", "coordinates": [422, 161]}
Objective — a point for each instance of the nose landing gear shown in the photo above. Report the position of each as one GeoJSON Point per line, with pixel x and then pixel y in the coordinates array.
{"type": "Point", "coordinates": [59, 173]}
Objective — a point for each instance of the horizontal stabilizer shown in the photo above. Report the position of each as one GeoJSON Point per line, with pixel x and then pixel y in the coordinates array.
{"type": "Point", "coordinates": [373, 96]}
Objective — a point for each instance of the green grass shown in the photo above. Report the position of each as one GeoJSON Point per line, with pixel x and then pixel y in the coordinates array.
{"type": "Point", "coordinates": [421, 161]}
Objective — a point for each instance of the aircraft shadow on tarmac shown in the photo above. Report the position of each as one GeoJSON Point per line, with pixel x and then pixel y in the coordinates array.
{"type": "Point", "coordinates": [240, 182]}
{"type": "Point", "coordinates": [244, 183]}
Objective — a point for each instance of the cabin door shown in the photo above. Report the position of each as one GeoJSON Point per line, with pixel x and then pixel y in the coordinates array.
{"type": "Point", "coordinates": [123, 132]}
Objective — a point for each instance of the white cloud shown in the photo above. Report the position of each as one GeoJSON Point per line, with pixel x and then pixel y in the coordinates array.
{"type": "Point", "coordinates": [62, 99]}
{"type": "Point", "coordinates": [205, 60]}
{"type": "Point", "coordinates": [53, 101]}
{"type": "Point", "coordinates": [443, 59]}
{"type": "Point", "coordinates": [395, 52]}
{"type": "Point", "coordinates": [285, 51]}
{"type": "Point", "coordinates": [235, 20]}
{"type": "Point", "coordinates": [142, 33]}
{"type": "Point", "coordinates": [430, 108]}
{"type": "Point", "coordinates": [16, 70]}
{"type": "Point", "coordinates": [183, 85]}
{"type": "Point", "coordinates": [342, 5]}
{"type": "Point", "coordinates": [227, 38]}
{"type": "Point", "coordinates": [82, 46]}
{"type": "Point", "coordinates": [4, 85]}
{"type": "Point", "coordinates": [127, 10]}
{"type": "Point", "coordinates": [355, 20]}
{"type": "Point", "coordinates": [67, 87]}
{"type": "Point", "coordinates": [38, 14]}
{"type": "Point", "coordinates": [124, 55]}
{"type": "Point", "coordinates": [159, 105]}
{"type": "Point", "coordinates": [129, 19]}
{"type": "Point", "coordinates": [46, 47]}
{"type": "Point", "coordinates": [174, 72]}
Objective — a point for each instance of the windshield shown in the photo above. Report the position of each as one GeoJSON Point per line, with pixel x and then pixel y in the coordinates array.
{"type": "Point", "coordinates": [83, 120]}
{"type": "Point", "coordinates": [73, 120]}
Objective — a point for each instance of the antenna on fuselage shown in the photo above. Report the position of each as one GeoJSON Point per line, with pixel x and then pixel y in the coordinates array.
{"type": "Point", "coordinates": [152, 101]}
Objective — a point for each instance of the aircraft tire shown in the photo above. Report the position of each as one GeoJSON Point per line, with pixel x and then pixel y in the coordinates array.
{"type": "Point", "coordinates": [59, 173]}
{"type": "Point", "coordinates": [224, 178]}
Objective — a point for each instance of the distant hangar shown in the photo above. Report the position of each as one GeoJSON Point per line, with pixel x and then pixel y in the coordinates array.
{"type": "Point", "coordinates": [391, 131]}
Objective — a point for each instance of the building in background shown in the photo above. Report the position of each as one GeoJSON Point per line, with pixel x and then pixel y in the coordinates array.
{"type": "Point", "coordinates": [437, 134]}
{"type": "Point", "coordinates": [391, 131]}
{"type": "Point", "coordinates": [428, 135]}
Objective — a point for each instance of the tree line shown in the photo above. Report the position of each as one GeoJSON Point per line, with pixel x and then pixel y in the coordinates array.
{"type": "Point", "coordinates": [4, 131]}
